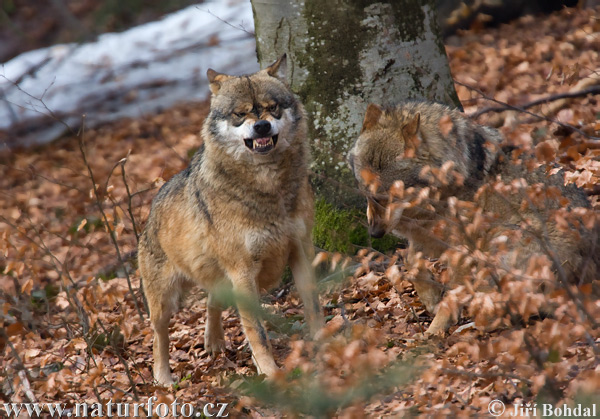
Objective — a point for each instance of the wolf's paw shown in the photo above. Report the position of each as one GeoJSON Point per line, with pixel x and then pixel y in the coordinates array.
{"type": "Point", "coordinates": [267, 367]}
{"type": "Point", "coordinates": [432, 332]}
{"type": "Point", "coordinates": [164, 379]}
{"type": "Point", "coordinates": [214, 343]}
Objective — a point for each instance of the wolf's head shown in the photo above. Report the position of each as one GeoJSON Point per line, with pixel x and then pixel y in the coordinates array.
{"type": "Point", "coordinates": [253, 117]}
{"type": "Point", "coordinates": [374, 160]}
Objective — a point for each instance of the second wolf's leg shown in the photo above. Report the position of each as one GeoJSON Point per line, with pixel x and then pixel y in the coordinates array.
{"type": "Point", "coordinates": [248, 303]}
{"type": "Point", "coordinates": [214, 337]}
{"type": "Point", "coordinates": [430, 293]}
{"type": "Point", "coordinates": [304, 277]}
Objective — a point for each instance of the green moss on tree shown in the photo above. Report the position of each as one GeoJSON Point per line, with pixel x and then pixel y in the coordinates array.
{"type": "Point", "coordinates": [410, 18]}
{"type": "Point", "coordinates": [334, 41]}
{"type": "Point", "coordinates": [344, 231]}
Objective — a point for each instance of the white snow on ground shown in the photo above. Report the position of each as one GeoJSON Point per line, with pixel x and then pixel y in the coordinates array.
{"type": "Point", "coordinates": [128, 74]}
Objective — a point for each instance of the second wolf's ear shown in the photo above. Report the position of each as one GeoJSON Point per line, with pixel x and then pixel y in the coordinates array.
{"type": "Point", "coordinates": [279, 68]}
{"type": "Point", "coordinates": [411, 128]}
{"type": "Point", "coordinates": [410, 132]}
{"type": "Point", "coordinates": [215, 79]}
{"type": "Point", "coordinates": [372, 117]}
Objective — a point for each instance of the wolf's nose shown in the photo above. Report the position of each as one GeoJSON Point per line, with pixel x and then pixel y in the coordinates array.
{"type": "Point", "coordinates": [262, 127]}
{"type": "Point", "coordinates": [376, 232]}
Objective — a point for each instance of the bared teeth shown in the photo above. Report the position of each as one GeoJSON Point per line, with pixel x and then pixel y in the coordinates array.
{"type": "Point", "coordinates": [262, 142]}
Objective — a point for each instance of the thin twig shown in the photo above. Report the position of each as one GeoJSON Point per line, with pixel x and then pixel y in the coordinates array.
{"type": "Point", "coordinates": [15, 354]}
{"type": "Point", "coordinates": [111, 339]}
{"type": "Point", "coordinates": [129, 198]}
{"type": "Point", "coordinates": [240, 27]}
{"type": "Point", "coordinates": [546, 99]}
{"type": "Point", "coordinates": [111, 232]}
{"type": "Point", "coordinates": [26, 386]}
{"type": "Point", "coordinates": [520, 109]}
{"type": "Point", "coordinates": [486, 375]}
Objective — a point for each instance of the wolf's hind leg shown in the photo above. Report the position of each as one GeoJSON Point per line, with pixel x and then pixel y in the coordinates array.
{"type": "Point", "coordinates": [162, 296]}
{"type": "Point", "coordinates": [214, 337]}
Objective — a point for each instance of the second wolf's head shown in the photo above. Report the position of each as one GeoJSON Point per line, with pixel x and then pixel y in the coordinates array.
{"type": "Point", "coordinates": [407, 143]}
{"type": "Point", "coordinates": [377, 160]}
{"type": "Point", "coordinates": [253, 118]}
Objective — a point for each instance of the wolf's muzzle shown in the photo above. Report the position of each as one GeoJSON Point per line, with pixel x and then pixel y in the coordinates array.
{"type": "Point", "coordinates": [261, 142]}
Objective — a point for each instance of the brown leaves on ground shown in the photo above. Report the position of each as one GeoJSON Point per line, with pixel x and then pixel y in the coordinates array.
{"type": "Point", "coordinates": [69, 317]}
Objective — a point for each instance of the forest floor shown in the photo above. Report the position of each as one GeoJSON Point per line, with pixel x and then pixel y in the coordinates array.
{"type": "Point", "coordinates": [72, 331]}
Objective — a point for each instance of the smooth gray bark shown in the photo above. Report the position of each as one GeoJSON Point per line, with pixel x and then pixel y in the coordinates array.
{"type": "Point", "coordinates": [343, 55]}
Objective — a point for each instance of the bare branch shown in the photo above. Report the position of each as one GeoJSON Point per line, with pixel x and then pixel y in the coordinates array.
{"type": "Point", "coordinates": [541, 101]}
{"type": "Point", "coordinates": [240, 27]}
{"type": "Point", "coordinates": [105, 219]}
{"type": "Point", "coordinates": [520, 109]}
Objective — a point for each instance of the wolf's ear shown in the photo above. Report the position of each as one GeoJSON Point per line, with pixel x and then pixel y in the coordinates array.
{"type": "Point", "coordinates": [279, 68]}
{"type": "Point", "coordinates": [410, 132]}
{"type": "Point", "coordinates": [411, 128]}
{"type": "Point", "coordinates": [372, 117]}
{"type": "Point", "coordinates": [215, 79]}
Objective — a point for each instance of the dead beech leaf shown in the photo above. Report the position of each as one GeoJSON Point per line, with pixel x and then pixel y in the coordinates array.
{"type": "Point", "coordinates": [321, 257]}
{"type": "Point", "coordinates": [32, 353]}
{"type": "Point", "coordinates": [446, 125]}
{"type": "Point", "coordinates": [15, 329]}
{"type": "Point", "coordinates": [82, 224]}
{"type": "Point", "coordinates": [565, 116]}
{"type": "Point", "coordinates": [27, 286]}
{"type": "Point", "coordinates": [397, 189]}
{"type": "Point", "coordinates": [584, 178]}
{"type": "Point", "coordinates": [586, 289]}
{"type": "Point", "coordinates": [337, 257]}
{"type": "Point", "coordinates": [409, 152]}
{"type": "Point", "coordinates": [573, 75]}
{"type": "Point", "coordinates": [61, 300]}
{"type": "Point", "coordinates": [545, 152]}
{"type": "Point", "coordinates": [370, 178]}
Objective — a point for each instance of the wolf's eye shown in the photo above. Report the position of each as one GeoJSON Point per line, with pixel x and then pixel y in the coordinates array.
{"type": "Point", "coordinates": [272, 108]}
{"type": "Point", "coordinates": [240, 114]}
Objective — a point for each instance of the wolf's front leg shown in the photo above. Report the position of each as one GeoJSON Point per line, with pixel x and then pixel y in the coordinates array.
{"type": "Point", "coordinates": [214, 337]}
{"type": "Point", "coordinates": [430, 293]}
{"type": "Point", "coordinates": [248, 303]}
{"type": "Point", "coordinates": [304, 276]}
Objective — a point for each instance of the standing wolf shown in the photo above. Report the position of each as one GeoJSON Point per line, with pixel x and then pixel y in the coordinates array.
{"type": "Point", "coordinates": [417, 140]}
{"type": "Point", "coordinates": [237, 215]}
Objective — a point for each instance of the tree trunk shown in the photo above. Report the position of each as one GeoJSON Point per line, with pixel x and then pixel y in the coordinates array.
{"type": "Point", "coordinates": [343, 55]}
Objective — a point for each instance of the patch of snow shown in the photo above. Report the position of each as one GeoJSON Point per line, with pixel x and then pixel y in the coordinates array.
{"type": "Point", "coordinates": [128, 74]}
